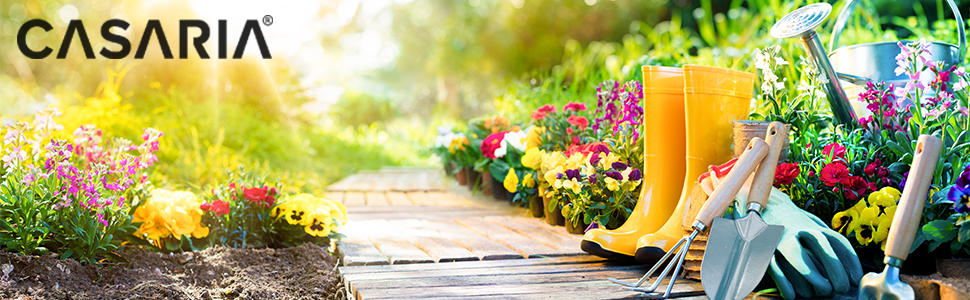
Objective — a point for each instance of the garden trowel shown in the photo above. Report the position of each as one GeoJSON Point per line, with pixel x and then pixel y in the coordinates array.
{"type": "Point", "coordinates": [739, 251]}
{"type": "Point", "coordinates": [886, 285]}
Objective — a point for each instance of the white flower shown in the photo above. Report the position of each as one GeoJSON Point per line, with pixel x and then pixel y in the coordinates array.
{"type": "Point", "coordinates": [760, 60]}
{"type": "Point", "coordinates": [444, 141]}
{"type": "Point", "coordinates": [515, 139]}
{"type": "Point", "coordinates": [960, 85]}
{"type": "Point", "coordinates": [500, 152]}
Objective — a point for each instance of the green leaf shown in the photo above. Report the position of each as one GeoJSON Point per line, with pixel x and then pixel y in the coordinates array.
{"type": "Point", "coordinates": [67, 254]}
{"type": "Point", "coordinates": [598, 205]}
{"type": "Point", "coordinates": [899, 167]}
{"type": "Point", "coordinates": [499, 169]}
{"type": "Point", "coordinates": [917, 241]}
{"type": "Point", "coordinates": [939, 231]}
{"type": "Point", "coordinates": [964, 235]}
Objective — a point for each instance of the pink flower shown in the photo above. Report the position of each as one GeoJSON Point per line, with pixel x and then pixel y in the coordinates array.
{"type": "Point", "coordinates": [548, 108]}
{"type": "Point", "coordinates": [574, 106]}
{"type": "Point", "coordinates": [578, 121]}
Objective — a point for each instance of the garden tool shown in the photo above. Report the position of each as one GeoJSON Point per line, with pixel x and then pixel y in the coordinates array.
{"type": "Point", "coordinates": [719, 200]}
{"type": "Point", "coordinates": [801, 23]}
{"type": "Point", "coordinates": [738, 251]}
{"type": "Point", "coordinates": [886, 285]}
{"type": "Point", "coordinates": [713, 99]}
{"type": "Point", "coordinates": [877, 61]}
{"type": "Point", "coordinates": [663, 153]}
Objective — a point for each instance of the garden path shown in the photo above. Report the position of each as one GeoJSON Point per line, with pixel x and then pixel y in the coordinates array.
{"type": "Point", "coordinates": [406, 223]}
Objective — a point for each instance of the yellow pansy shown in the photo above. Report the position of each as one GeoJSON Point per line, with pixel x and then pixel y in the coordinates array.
{"type": "Point", "coordinates": [533, 158]}
{"type": "Point", "coordinates": [607, 162]}
{"type": "Point", "coordinates": [532, 139]}
{"type": "Point", "coordinates": [632, 185]}
{"type": "Point", "coordinates": [528, 181]}
{"type": "Point", "coordinates": [570, 184]}
{"type": "Point", "coordinates": [859, 206]}
{"type": "Point", "coordinates": [882, 233]}
{"type": "Point", "coordinates": [457, 144]}
{"type": "Point", "coordinates": [553, 160]}
{"type": "Point", "coordinates": [551, 175]}
{"type": "Point", "coordinates": [883, 200]}
{"type": "Point", "coordinates": [167, 213]}
{"type": "Point", "coordinates": [865, 226]}
{"type": "Point", "coordinates": [842, 220]}
{"type": "Point", "coordinates": [612, 184]}
{"type": "Point", "coordinates": [891, 191]}
{"type": "Point", "coordinates": [319, 223]}
{"type": "Point", "coordinates": [511, 181]}
{"type": "Point", "coordinates": [574, 161]}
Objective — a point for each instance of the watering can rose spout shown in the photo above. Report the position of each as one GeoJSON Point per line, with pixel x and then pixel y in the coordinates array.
{"type": "Point", "coordinates": [801, 23]}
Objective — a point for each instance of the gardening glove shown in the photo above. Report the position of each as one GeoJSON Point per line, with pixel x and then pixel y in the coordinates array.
{"type": "Point", "coordinates": [811, 260]}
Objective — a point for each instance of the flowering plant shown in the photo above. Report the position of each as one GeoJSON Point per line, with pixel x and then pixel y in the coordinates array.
{"type": "Point", "coordinates": [804, 112]}
{"type": "Point", "coordinates": [169, 218]}
{"type": "Point", "coordinates": [307, 218]}
{"type": "Point", "coordinates": [74, 199]}
{"type": "Point", "coordinates": [948, 231]}
{"type": "Point", "coordinates": [561, 129]}
{"type": "Point", "coordinates": [618, 108]}
{"type": "Point", "coordinates": [595, 186]}
{"type": "Point", "coordinates": [443, 144]}
{"type": "Point", "coordinates": [238, 211]}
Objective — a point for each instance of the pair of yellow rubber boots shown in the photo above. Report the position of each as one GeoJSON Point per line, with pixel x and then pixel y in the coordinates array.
{"type": "Point", "coordinates": [688, 114]}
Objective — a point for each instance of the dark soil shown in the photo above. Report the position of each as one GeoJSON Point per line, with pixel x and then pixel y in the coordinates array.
{"type": "Point", "coordinates": [305, 272]}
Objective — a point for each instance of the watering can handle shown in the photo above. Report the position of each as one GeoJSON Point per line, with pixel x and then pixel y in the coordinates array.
{"type": "Point", "coordinates": [850, 6]}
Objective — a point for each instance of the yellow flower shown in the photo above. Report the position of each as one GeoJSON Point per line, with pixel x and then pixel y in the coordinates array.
{"type": "Point", "coordinates": [553, 160]}
{"type": "Point", "coordinates": [612, 184]}
{"type": "Point", "coordinates": [882, 232]}
{"type": "Point", "coordinates": [511, 181]}
{"type": "Point", "coordinates": [859, 206]}
{"type": "Point", "coordinates": [882, 199]}
{"type": "Point", "coordinates": [528, 181]}
{"type": "Point", "coordinates": [319, 223]}
{"type": "Point", "coordinates": [168, 213]}
{"type": "Point", "coordinates": [551, 175]}
{"type": "Point", "coordinates": [607, 162]}
{"type": "Point", "coordinates": [533, 137]}
{"type": "Point", "coordinates": [891, 191]}
{"type": "Point", "coordinates": [570, 184]}
{"type": "Point", "coordinates": [842, 220]}
{"type": "Point", "coordinates": [633, 185]}
{"type": "Point", "coordinates": [865, 226]}
{"type": "Point", "coordinates": [458, 144]}
{"type": "Point", "coordinates": [533, 158]}
{"type": "Point", "coordinates": [574, 161]}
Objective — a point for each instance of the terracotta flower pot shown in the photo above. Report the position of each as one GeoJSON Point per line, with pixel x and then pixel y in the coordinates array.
{"type": "Point", "coordinates": [487, 183]}
{"type": "Point", "coordinates": [498, 190]}
{"type": "Point", "coordinates": [472, 177]}
{"type": "Point", "coordinates": [462, 176]}
{"type": "Point", "coordinates": [553, 217]}
{"type": "Point", "coordinates": [953, 268]}
{"type": "Point", "coordinates": [535, 207]}
{"type": "Point", "coordinates": [744, 131]}
{"type": "Point", "coordinates": [577, 228]}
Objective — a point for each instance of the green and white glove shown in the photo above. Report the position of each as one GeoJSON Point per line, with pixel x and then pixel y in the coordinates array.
{"type": "Point", "coordinates": [812, 260]}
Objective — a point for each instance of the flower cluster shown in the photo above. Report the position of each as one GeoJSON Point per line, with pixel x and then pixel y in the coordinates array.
{"type": "Point", "coordinates": [561, 129]}
{"type": "Point", "coordinates": [593, 183]}
{"type": "Point", "coordinates": [869, 219]}
{"type": "Point", "coordinates": [319, 217]}
{"type": "Point", "coordinates": [238, 211]}
{"type": "Point", "coordinates": [619, 106]}
{"type": "Point", "coordinates": [169, 214]}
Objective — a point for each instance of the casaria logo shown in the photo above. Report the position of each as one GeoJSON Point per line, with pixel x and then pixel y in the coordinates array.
{"type": "Point", "coordinates": [152, 28]}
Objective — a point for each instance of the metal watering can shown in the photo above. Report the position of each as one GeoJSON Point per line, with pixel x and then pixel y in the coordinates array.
{"type": "Point", "coordinates": [856, 64]}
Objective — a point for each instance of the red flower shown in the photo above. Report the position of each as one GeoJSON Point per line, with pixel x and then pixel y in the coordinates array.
{"type": "Point", "coordinates": [586, 149]}
{"type": "Point", "coordinates": [217, 207]}
{"type": "Point", "coordinates": [538, 115]}
{"type": "Point", "coordinates": [578, 121]}
{"type": "Point", "coordinates": [834, 149]}
{"type": "Point", "coordinates": [834, 173]}
{"type": "Point", "coordinates": [786, 173]}
{"type": "Point", "coordinates": [259, 195]}
{"type": "Point", "coordinates": [546, 109]}
{"type": "Point", "coordinates": [855, 187]}
{"type": "Point", "coordinates": [569, 130]}
{"type": "Point", "coordinates": [574, 106]}
{"type": "Point", "coordinates": [492, 142]}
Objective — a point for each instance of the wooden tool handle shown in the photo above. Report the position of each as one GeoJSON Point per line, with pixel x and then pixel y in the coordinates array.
{"type": "Point", "coordinates": [776, 136]}
{"type": "Point", "coordinates": [725, 192]}
{"type": "Point", "coordinates": [910, 208]}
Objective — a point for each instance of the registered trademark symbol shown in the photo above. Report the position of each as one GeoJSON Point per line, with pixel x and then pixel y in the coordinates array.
{"type": "Point", "coordinates": [267, 20]}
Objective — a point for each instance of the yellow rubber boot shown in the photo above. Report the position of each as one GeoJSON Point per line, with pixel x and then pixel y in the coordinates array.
{"type": "Point", "coordinates": [664, 150]}
{"type": "Point", "coordinates": [714, 98]}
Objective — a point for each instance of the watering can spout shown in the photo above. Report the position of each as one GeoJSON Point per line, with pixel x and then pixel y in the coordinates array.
{"type": "Point", "coordinates": [801, 23]}
{"type": "Point", "coordinates": [838, 101]}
